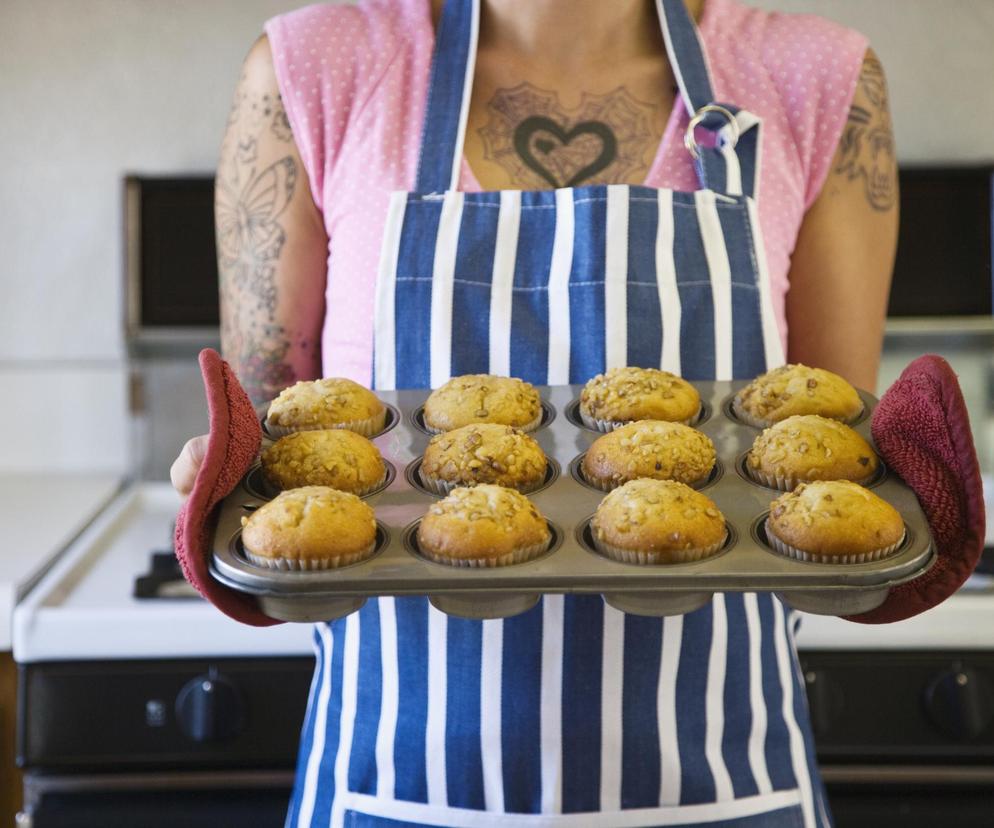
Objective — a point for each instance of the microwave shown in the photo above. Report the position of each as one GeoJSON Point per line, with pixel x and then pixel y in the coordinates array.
{"type": "Point", "coordinates": [943, 265]}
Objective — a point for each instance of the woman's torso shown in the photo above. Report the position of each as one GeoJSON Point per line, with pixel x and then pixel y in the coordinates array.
{"type": "Point", "coordinates": [573, 707]}
{"type": "Point", "coordinates": [354, 82]}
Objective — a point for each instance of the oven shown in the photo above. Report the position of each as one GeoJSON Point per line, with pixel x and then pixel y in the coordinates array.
{"type": "Point", "coordinates": [139, 704]}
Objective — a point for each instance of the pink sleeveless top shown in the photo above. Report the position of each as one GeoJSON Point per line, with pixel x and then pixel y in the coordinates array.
{"type": "Point", "coordinates": [354, 80]}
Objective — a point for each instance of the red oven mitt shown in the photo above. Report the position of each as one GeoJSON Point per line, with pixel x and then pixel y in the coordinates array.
{"type": "Point", "coordinates": [235, 437]}
{"type": "Point", "coordinates": [922, 431]}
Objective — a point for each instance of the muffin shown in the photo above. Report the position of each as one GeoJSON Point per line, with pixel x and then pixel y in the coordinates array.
{"type": "Point", "coordinates": [657, 522]}
{"type": "Point", "coordinates": [313, 527]}
{"type": "Point", "coordinates": [796, 389]}
{"type": "Point", "coordinates": [326, 403]}
{"type": "Point", "coordinates": [483, 526]}
{"type": "Point", "coordinates": [483, 398]}
{"type": "Point", "coordinates": [649, 448]}
{"type": "Point", "coordinates": [807, 447]}
{"type": "Point", "coordinates": [621, 395]}
{"type": "Point", "coordinates": [483, 453]}
{"type": "Point", "coordinates": [337, 458]}
{"type": "Point", "coordinates": [833, 521]}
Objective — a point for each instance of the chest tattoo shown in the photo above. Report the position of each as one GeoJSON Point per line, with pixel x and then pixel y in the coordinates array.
{"type": "Point", "coordinates": [540, 143]}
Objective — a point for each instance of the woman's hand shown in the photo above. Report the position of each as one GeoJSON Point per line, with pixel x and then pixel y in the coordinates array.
{"type": "Point", "coordinates": [183, 471]}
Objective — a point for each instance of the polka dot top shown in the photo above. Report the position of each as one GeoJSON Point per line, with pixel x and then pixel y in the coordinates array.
{"type": "Point", "coordinates": [354, 80]}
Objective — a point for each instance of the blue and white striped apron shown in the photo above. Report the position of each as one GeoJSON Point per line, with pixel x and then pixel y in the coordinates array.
{"type": "Point", "coordinates": [571, 714]}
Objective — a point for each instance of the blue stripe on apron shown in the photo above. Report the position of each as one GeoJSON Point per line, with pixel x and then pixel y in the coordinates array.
{"type": "Point", "coordinates": [362, 773]}
{"type": "Point", "coordinates": [696, 781]}
{"type": "Point", "coordinates": [530, 297]}
{"type": "Point", "coordinates": [735, 740]}
{"type": "Point", "coordinates": [697, 358]}
{"type": "Point", "coordinates": [414, 293]}
{"type": "Point", "coordinates": [521, 709]}
{"type": "Point", "coordinates": [640, 764]}
{"type": "Point", "coordinates": [645, 339]}
{"type": "Point", "coordinates": [473, 283]}
{"type": "Point", "coordinates": [307, 731]}
{"type": "Point", "coordinates": [325, 793]}
{"type": "Point", "coordinates": [777, 737]}
{"type": "Point", "coordinates": [464, 767]}
{"type": "Point", "coordinates": [582, 653]}
{"type": "Point", "coordinates": [586, 285]}
{"type": "Point", "coordinates": [412, 708]}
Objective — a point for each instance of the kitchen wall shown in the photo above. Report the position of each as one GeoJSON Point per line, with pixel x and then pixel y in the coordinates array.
{"type": "Point", "coordinates": [93, 89]}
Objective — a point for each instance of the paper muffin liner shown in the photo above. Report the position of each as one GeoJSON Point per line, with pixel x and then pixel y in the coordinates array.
{"type": "Point", "coordinates": [756, 422]}
{"type": "Point", "coordinates": [310, 564]}
{"type": "Point", "coordinates": [788, 484]}
{"type": "Point", "coordinates": [639, 556]}
{"type": "Point", "coordinates": [438, 486]}
{"type": "Point", "coordinates": [525, 553]}
{"type": "Point", "coordinates": [610, 425]}
{"type": "Point", "coordinates": [611, 485]}
{"type": "Point", "coordinates": [789, 551]}
{"type": "Point", "coordinates": [369, 427]}
{"type": "Point", "coordinates": [273, 490]}
{"type": "Point", "coordinates": [527, 427]}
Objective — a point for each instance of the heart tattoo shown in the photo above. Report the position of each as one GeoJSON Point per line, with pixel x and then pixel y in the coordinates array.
{"type": "Point", "coordinates": [562, 152]}
{"type": "Point", "coordinates": [539, 143]}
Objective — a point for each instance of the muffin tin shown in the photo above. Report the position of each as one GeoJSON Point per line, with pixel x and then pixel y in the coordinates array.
{"type": "Point", "coordinates": [746, 564]}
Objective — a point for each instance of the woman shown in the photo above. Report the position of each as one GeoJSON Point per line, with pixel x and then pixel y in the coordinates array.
{"type": "Point", "coordinates": [572, 713]}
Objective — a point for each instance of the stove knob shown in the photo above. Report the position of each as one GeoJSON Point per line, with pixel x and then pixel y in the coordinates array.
{"type": "Point", "coordinates": [960, 702]}
{"type": "Point", "coordinates": [825, 700]}
{"type": "Point", "coordinates": [209, 709]}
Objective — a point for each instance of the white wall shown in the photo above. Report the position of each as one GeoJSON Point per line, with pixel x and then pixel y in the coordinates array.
{"type": "Point", "coordinates": [94, 89]}
{"type": "Point", "coordinates": [939, 60]}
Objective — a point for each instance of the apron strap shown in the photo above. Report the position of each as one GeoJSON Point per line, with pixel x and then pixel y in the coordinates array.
{"type": "Point", "coordinates": [449, 89]}
{"type": "Point", "coordinates": [726, 162]}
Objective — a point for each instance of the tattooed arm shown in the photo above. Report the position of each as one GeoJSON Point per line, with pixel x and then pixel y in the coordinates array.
{"type": "Point", "coordinates": [841, 268]}
{"type": "Point", "coordinates": [271, 243]}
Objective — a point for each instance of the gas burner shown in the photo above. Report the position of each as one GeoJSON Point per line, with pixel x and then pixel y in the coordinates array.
{"type": "Point", "coordinates": [164, 579]}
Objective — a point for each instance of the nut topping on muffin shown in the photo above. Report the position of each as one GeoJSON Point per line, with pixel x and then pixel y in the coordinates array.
{"type": "Point", "coordinates": [797, 389]}
{"type": "Point", "coordinates": [478, 398]}
{"type": "Point", "coordinates": [649, 448]}
{"type": "Point", "coordinates": [807, 447]}
{"type": "Point", "coordinates": [625, 394]}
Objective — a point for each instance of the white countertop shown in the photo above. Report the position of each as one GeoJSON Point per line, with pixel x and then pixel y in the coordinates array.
{"type": "Point", "coordinates": [84, 609]}
{"type": "Point", "coordinates": [40, 515]}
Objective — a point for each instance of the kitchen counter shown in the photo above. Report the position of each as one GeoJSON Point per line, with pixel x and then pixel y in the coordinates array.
{"type": "Point", "coordinates": [41, 515]}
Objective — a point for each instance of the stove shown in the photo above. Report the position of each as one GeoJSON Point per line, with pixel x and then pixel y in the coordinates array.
{"type": "Point", "coordinates": [150, 711]}
{"type": "Point", "coordinates": [159, 710]}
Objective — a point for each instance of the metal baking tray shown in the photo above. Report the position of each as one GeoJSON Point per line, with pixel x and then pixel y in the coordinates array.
{"type": "Point", "coordinates": [746, 564]}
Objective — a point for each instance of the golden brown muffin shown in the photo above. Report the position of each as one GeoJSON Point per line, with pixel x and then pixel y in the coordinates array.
{"type": "Point", "coordinates": [833, 521]}
{"type": "Point", "coordinates": [807, 447]}
{"type": "Point", "coordinates": [796, 389]}
{"type": "Point", "coordinates": [483, 398]}
{"type": "Point", "coordinates": [624, 394]}
{"type": "Point", "coordinates": [649, 448]}
{"type": "Point", "coordinates": [657, 522]}
{"type": "Point", "coordinates": [338, 458]}
{"type": "Point", "coordinates": [481, 526]}
{"type": "Point", "coordinates": [313, 527]}
{"type": "Point", "coordinates": [483, 453]}
{"type": "Point", "coordinates": [326, 403]}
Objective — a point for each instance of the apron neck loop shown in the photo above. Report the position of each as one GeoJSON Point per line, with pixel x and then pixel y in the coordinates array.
{"type": "Point", "coordinates": [451, 83]}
